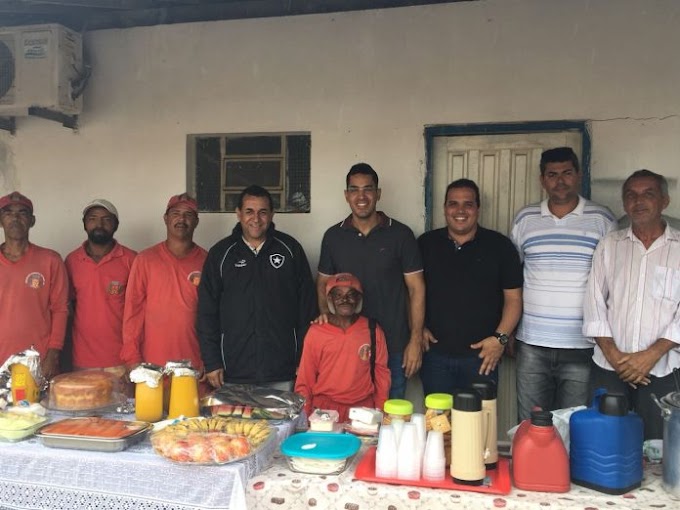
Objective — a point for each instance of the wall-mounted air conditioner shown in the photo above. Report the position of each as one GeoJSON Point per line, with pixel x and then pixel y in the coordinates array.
{"type": "Point", "coordinates": [38, 66]}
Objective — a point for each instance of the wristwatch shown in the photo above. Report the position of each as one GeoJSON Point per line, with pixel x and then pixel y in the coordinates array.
{"type": "Point", "coordinates": [502, 338]}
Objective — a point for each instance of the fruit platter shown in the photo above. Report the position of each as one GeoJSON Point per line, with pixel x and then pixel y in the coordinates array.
{"type": "Point", "coordinates": [213, 440]}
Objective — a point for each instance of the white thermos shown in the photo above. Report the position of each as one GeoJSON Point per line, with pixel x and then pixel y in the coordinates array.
{"type": "Point", "coordinates": [467, 438]}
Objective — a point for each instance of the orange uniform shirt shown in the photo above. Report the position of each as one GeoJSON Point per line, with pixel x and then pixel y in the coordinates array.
{"type": "Point", "coordinates": [98, 289]}
{"type": "Point", "coordinates": [335, 365]}
{"type": "Point", "coordinates": [33, 302]}
{"type": "Point", "coordinates": [159, 323]}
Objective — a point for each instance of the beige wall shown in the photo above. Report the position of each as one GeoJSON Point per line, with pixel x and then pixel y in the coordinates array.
{"type": "Point", "coordinates": [364, 84]}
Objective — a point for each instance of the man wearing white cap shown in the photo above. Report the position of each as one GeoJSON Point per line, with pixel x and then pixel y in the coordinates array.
{"type": "Point", "coordinates": [98, 272]}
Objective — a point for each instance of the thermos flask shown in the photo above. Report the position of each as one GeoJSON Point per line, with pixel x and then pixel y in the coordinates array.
{"type": "Point", "coordinates": [467, 438]}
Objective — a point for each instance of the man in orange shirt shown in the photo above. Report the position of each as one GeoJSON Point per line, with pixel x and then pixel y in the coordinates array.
{"type": "Point", "coordinates": [98, 272]}
{"type": "Point", "coordinates": [33, 289]}
{"type": "Point", "coordinates": [160, 305]}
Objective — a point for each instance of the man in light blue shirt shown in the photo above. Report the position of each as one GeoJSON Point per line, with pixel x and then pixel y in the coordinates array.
{"type": "Point", "coordinates": [556, 239]}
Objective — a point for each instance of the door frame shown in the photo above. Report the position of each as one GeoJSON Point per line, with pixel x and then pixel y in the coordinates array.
{"type": "Point", "coordinates": [530, 127]}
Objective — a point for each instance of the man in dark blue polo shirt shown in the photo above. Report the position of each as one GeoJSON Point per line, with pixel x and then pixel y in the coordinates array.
{"type": "Point", "coordinates": [384, 255]}
{"type": "Point", "coordinates": [474, 294]}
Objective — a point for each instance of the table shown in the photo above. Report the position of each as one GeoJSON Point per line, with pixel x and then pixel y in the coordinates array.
{"type": "Point", "coordinates": [282, 489]}
{"type": "Point", "coordinates": [33, 476]}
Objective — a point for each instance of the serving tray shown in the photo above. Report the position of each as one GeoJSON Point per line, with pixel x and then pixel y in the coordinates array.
{"type": "Point", "coordinates": [90, 433]}
{"type": "Point", "coordinates": [497, 480]}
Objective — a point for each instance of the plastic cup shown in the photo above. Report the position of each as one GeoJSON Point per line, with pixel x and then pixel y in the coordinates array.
{"type": "Point", "coordinates": [398, 426]}
{"type": "Point", "coordinates": [409, 457]}
{"type": "Point", "coordinates": [386, 453]}
{"type": "Point", "coordinates": [419, 421]}
{"type": "Point", "coordinates": [434, 459]}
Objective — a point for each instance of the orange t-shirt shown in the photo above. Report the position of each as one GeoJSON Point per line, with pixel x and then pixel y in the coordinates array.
{"type": "Point", "coordinates": [33, 302]}
{"type": "Point", "coordinates": [98, 289]}
{"type": "Point", "coordinates": [159, 323]}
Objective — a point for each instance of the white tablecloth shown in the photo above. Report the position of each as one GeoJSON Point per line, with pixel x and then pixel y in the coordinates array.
{"type": "Point", "coordinates": [33, 476]}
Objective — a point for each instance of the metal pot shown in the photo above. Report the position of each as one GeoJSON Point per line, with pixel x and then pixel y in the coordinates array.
{"type": "Point", "coordinates": [670, 409]}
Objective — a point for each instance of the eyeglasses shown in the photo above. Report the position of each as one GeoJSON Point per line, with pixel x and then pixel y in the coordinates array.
{"type": "Point", "coordinates": [365, 189]}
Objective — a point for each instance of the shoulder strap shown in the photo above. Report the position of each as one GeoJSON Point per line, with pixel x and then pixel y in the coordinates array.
{"type": "Point", "coordinates": [371, 328]}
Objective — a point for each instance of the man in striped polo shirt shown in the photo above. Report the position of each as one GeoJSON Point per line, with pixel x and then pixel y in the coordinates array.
{"type": "Point", "coordinates": [556, 239]}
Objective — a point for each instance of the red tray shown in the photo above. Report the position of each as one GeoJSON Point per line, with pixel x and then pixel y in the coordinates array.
{"type": "Point", "coordinates": [497, 480]}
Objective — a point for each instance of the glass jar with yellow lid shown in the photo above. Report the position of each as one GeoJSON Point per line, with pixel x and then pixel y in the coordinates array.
{"type": "Point", "coordinates": [397, 409]}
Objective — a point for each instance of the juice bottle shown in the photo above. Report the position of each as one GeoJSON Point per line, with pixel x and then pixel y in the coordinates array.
{"type": "Point", "coordinates": [23, 384]}
{"type": "Point", "coordinates": [148, 381]}
{"type": "Point", "coordinates": [183, 393]}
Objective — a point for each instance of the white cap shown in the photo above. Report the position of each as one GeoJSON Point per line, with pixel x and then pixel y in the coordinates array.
{"type": "Point", "coordinates": [100, 202]}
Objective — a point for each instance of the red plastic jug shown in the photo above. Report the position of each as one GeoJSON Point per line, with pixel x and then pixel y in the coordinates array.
{"type": "Point", "coordinates": [539, 458]}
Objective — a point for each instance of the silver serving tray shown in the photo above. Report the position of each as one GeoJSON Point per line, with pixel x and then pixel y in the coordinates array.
{"type": "Point", "coordinates": [93, 443]}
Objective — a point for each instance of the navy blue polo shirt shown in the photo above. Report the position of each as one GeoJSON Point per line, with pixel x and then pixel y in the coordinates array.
{"type": "Point", "coordinates": [380, 260]}
{"type": "Point", "coordinates": [464, 287]}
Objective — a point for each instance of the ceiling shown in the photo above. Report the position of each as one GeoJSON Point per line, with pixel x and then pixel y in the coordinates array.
{"type": "Point", "coordinates": [82, 15]}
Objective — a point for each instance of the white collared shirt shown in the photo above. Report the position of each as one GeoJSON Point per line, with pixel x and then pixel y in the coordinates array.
{"type": "Point", "coordinates": [633, 295]}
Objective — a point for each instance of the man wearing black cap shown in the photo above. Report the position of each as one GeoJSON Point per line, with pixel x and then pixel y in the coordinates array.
{"type": "Point", "coordinates": [33, 289]}
{"type": "Point", "coordinates": [98, 272]}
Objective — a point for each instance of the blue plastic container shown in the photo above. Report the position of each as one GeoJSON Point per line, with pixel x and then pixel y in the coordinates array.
{"type": "Point", "coordinates": [606, 445]}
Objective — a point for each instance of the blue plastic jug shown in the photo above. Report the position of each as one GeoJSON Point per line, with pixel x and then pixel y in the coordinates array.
{"type": "Point", "coordinates": [606, 445]}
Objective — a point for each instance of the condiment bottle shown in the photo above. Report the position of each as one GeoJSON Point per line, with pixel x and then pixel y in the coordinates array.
{"type": "Point", "coordinates": [397, 409]}
{"type": "Point", "coordinates": [438, 417]}
{"type": "Point", "coordinates": [487, 390]}
{"type": "Point", "coordinates": [183, 389]}
{"type": "Point", "coordinates": [539, 458]}
{"type": "Point", "coordinates": [148, 379]}
{"type": "Point", "coordinates": [23, 384]}
{"type": "Point", "coordinates": [467, 439]}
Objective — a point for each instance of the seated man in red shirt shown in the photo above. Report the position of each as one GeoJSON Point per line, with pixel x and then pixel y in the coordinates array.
{"type": "Point", "coordinates": [338, 369]}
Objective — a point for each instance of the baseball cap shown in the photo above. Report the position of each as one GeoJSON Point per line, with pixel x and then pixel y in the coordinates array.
{"type": "Point", "coordinates": [343, 280]}
{"type": "Point", "coordinates": [16, 198]}
{"type": "Point", "coordinates": [182, 199]}
{"type": "Point", "coordinates": [101, 202]}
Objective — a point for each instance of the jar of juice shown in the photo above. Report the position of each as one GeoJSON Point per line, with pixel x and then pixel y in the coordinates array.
{"type": "Point", "coordinates": [148, 379]}
{"type": "Point", "coordinates": [183, 391]}
{"type": "Point", "coordinates": [397, 409]}
{"type": "Point", "coordinates": [23, 384]}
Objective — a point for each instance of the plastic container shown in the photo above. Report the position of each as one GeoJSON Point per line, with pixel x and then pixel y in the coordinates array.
{"type": "Point", "coordinates": [319, 453]}
{"type": "Point", "coordinates": [85, 390]}
{"type": "Point", "coordinates": [323, 420]}
{"type": "Point", "coordinates": [397, 409]}
{"type": "Point", "coordinates": [15, 426]}
{"type": "Point", "coordinates": [539, 459]}
{"type": "Point", "coordinates": [606, 445]}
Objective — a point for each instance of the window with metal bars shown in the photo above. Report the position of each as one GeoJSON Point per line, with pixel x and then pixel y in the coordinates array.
{"type": "Point", "coordinates": [220, 166]}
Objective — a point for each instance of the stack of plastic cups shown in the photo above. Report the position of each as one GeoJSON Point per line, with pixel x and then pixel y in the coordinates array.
{"type": "Point", "coordinates": [410, 460]}
{"type": "Point", "coordinates": [434, 460]}
{"type": "Point", "coordinates": [386, 453]}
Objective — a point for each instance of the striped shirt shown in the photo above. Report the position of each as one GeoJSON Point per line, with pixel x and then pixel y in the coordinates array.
{"type": "Point", "coordinates": [557, 255]}
{"type": "Point", "coordinates": [633, 296]}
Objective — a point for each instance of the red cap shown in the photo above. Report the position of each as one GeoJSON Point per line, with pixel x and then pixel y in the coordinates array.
{"type": "Point", "coordinates": [182, 199]}
{"type": "Point", "coordinates": [343, 280]}
{"type": "Point", "coordinates": [16, 198]}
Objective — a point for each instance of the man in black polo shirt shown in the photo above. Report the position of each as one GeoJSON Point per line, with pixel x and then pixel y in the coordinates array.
{"type": "Point", "coordinates": [474, 294]}
{"type": "Point", "coordinates": [383, 254]}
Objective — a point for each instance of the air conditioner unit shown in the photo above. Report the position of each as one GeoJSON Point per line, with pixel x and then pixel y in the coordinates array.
{"type": "Point", "coordinates": [38, 65]}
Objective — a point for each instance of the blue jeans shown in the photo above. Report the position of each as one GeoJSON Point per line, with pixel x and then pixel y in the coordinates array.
{"type": "Point", "coordinates": [398, 385]}
{"type": "Point", "coordinates": [640, 399]}
{"type": "Point", "coordinates": [551, 378]}
{"type": "Point", "coordinates": [441, 373]}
